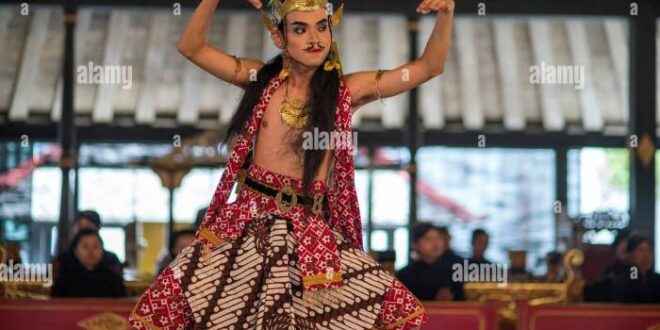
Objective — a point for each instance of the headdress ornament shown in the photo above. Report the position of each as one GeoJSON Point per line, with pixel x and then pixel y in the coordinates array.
{"type": "Point", "coordinates": [279, 9]}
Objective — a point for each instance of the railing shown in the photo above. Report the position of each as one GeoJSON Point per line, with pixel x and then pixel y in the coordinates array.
{"type": "Point", "coordinates": [535, 294]}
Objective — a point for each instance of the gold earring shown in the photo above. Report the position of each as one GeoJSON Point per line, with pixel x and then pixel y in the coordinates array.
{"type": "Point", "coordinates": [330, 64]}
{"type": "Point", "coordinates": [333, 61]}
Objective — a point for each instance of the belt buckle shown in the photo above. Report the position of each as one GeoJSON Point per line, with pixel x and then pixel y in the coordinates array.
{"type": "Point", "coordinates": [283, 205]}
{"type": "Point", "coordinates": [317, 207]}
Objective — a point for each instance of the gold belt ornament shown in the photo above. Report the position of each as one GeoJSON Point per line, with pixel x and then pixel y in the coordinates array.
{"type": "Point", "coordinates": [283, 205]}
{"type": "Point", "coordinates": [285, 197]}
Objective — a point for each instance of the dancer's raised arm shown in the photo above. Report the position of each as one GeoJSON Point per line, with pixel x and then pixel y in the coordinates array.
{"type": "Point", "coordinates": [194, 46]}
{"type": "Point", "coordinates": [367, 86]}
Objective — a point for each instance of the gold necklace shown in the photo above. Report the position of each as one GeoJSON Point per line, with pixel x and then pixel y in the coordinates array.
{"type": "Point", "coordinates": [294, 112]}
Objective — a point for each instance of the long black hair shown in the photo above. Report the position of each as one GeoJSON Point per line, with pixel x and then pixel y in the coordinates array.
{"type": "Point", "coordinates": [323, 93]}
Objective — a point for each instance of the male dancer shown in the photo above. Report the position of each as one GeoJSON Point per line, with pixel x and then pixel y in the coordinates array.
{"type": "Point", "coordinates": [287, 253]}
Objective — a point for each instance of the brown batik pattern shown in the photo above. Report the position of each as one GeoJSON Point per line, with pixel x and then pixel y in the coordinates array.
{"type": "Point", "coordinates": [253, 282]}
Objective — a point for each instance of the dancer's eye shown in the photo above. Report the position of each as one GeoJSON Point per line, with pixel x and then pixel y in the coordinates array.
{"type": "Point", "coordinates": [298, 30]}
{"type": "Point", "coordinates": [322, 28]}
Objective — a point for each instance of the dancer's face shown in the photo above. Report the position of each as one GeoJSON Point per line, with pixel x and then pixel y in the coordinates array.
{"type": "Point", "coordinates": [308, 37]}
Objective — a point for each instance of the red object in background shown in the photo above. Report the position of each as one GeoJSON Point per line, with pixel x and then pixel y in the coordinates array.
{"type": "Point", "coordinates": [588, 316]}
{"type": "Point", "coordinates": [14, 176]}
{"type": "Point", "coordinates": [460, 316]}
{"type": "Point", "coordinates": [596, 259]}
{"type": "Point", "coordinates": [19, 314]}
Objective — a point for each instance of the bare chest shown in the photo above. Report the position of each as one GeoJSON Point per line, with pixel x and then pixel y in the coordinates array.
{"type": "Point", "coordinates": [278, 146]}
{"type": "Point", "coordinates": [273, 133]}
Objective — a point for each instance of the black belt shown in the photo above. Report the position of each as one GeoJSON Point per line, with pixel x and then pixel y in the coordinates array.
{"type": "Point", "coordinates": [285, 197]}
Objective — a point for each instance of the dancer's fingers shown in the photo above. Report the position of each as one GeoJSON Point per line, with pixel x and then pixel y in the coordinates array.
{"type": "Point", "coordinates": [446, 5]}
{"type": "Point", "coordinates": [256, 3]}
{"type": "Point", "coordinates": [435, 5]}
{"type": "Point", "coordinates": [423, 6]}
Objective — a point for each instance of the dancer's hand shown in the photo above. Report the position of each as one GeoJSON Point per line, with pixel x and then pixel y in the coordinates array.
{"type": "Point", "coordinates": [256, 3]}
{"type": "Point", "coordinates": [435, 5]}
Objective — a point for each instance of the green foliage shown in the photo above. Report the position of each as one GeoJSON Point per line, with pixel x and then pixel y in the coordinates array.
{"type": "Point", "coordinates": [619, 164]}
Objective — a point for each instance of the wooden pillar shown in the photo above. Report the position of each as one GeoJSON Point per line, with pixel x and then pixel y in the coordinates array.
{"type": "Point", "coordinates": [643, 118]}
{"type": "Point", "coordinates": [66, 130]}
{"type": "Point", "coordinates": [413, 136]}
{"type": "Point", "coordinates": [560, 209]}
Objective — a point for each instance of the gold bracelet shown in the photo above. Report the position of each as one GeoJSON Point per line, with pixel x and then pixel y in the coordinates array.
{"type": "Point", "coordinates": [238, 69]}
{"type": "Point", "coordinates": [379, 75]}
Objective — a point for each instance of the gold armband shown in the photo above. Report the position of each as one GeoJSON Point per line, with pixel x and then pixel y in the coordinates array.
{"type": "Point", "coordinates": [238, 69]}
{"type": "Point", "coordinates": [379, 75]}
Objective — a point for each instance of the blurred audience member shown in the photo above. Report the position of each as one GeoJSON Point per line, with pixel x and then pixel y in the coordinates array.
{"type": "Point", "coordinates": [88, 220]}
{"type": "Point", "coordinates": [448, 260]}
{"type": "Point", "coordinates": [179, 240]}
{"type": "Point", "coordinates": [87, 275]}
{"type": "Point", "coordinates": [426, 277]}
{"type": "Point", "coordinates": [518, 267]}
{"type": "Point", "coordinates": [555, 270]}
{"type": "Point", "coordinates": [640, 284]}
{"type": "Point", "coordinates": [600, 289]}
{"type": "Point", "coordinates": [479, 246]}
{"type": "Point", "coordinates": [620, 265]}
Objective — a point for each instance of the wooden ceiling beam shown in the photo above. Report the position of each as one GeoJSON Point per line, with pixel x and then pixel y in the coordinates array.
{"type": "Point", "coordinates": [29, 65]}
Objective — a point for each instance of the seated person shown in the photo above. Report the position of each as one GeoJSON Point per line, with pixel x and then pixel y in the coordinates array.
{"type": "Point", "coordinates": [448, 259]}
{"type": "Point", "coordinates": [87, 276]}
{"type": "Point", "coordinates": [479, 246]}
{"type": "Point", "coordinates": [87, 220]}
{"type": "Point", "coordinates": [426, 277]}
{"type": "Point", "coordinates": [620, 265]}
{"type": "Point", "coordinates": [555, 271]}
{"type": "Point", "coordinates": [599, 290]}
{"type": "Point", "coordinates": [179, 240]}
{"type": "Point", "coordinates": [640, 285]}
{"type": "Point", "coordinates": [518, 267]}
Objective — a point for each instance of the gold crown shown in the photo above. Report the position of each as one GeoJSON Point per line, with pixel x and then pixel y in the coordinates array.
{"type": "Point", "coordinates": [280, 8]}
